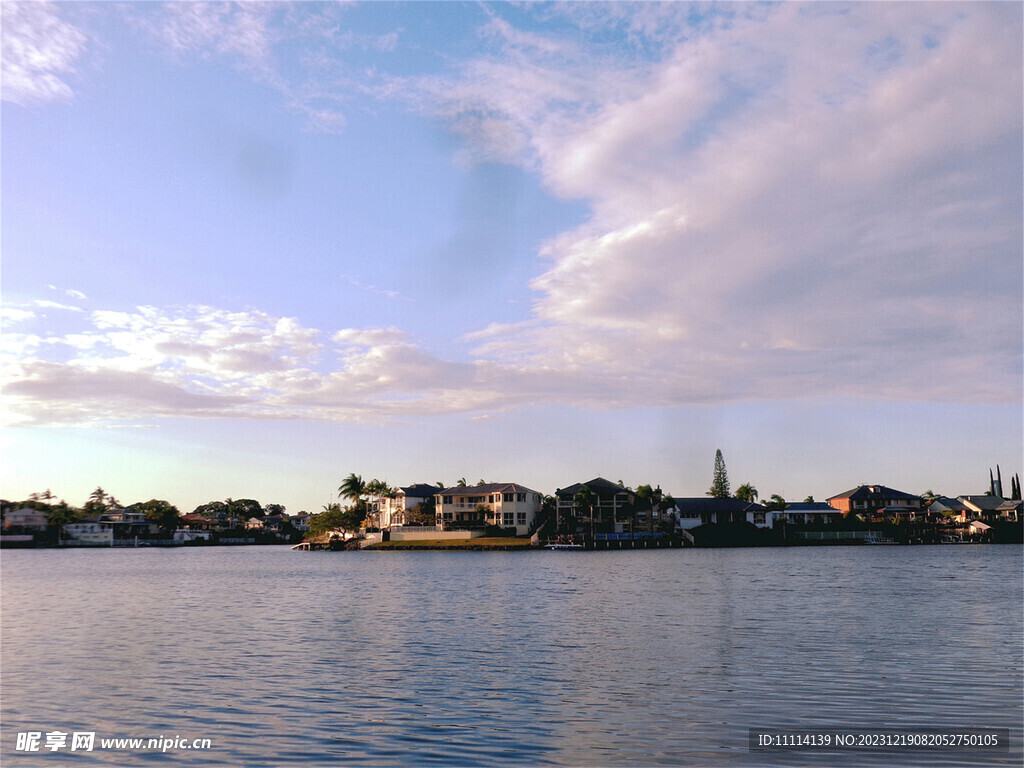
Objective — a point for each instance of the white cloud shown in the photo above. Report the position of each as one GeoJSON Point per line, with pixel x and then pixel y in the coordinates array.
{"type": "Point", "coordinates": [806, 200]}
{"type": "Point", "coordinates": [39, 51]}
{"type": "Point", "coordinates": [46, 304]}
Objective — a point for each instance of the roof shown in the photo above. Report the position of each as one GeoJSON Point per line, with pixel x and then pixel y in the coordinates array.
{"type": "Point", "coordinates": [940, 503]}
{"type": "Point", "coordinates": [864, 492]}
{"type": "Point", "coordinates": [420, 490]}
{"type": "Point", "coordinates": [1011, 504]}
{"type": "Point", "coordinates": [479, 490]}
{"type": "Point", "coordinates": [983, 502]}
{"type": "Point", "coordinates": [598, 485]}
{"type": "Point", "coordinates": [811, 506]}
{"type": "Point", "coordinates": [709, 504]}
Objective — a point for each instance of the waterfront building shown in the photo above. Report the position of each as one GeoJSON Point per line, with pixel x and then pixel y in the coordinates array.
{"type": "Point", "coordinates": [870, 501]}
{"type": "Point", "coordinates": [92, 532]}
{"type": "Point", "coordinates": [506, 505]}
{"type": "Point", "coordinates": [1010, 510]}
{"type": "Point", "coordinates": [612, 508]}
{"type": "Point", "coordinates": [811, 513]}
{"type": "Point", "coordinates": [395, 510]}
{"type": "Point", "coordinates": [695, 511]}
{"type": "Point", "coordinates": [982, 505]}
{"type": "Point", "coordinates": [26, 518]}
{"type": "Point", "coordinates": [943, 507]}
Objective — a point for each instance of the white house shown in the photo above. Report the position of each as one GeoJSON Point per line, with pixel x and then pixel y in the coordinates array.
{"type": "Point", "coordinates": [89, 533]}
{"type": "Point", "coordinates": [186, 535]}
{"type": "Point", "coordinates": [26, 517]}
{"type": "Point", "coordinates": [395, 510]}
{"type": "Point", "coordinates": [507, 505]}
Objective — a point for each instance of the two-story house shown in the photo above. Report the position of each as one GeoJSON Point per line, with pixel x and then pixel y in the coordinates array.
{"type": "Point", "coordinates": [871, 501]}
{"type": "Point", "coordinates": [508, 505]}
{"type": "Point", "coordinates": [609, 507]}
{"type": "Point", "coordinates": [395, 509]}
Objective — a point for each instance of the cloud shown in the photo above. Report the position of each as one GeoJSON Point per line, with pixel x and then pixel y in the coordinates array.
{"type": "Point", "coordinates": [39, 51]}
{"type": "Point", "coordinates": [46, 304]}
{"type": "Point", "coordinates": [804, 200]}
{"type": "Point", "coordinates": [784, 201]}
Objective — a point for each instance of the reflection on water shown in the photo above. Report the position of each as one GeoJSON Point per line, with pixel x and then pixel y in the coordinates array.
{"type": "Point", "coordinates": [454, 658]}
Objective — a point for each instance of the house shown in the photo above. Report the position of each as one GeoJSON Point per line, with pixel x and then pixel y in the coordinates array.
{"type": "Point", "coordinates": [613, 507]}
{"type": "Point", "coordinates": [1010, 510]}
{"type": "Point", "coordinates": [979, 529]}
{"type": "Point", "coordinates": [869, 501]}
{"type": "Point", "coordinates": [301, 522]}
{"type": "Point", "coordinates": [395, 510]}
{"type": "Point", "coordinates": [188, 535]}
{"type": "Point", "coordinates": [195, 522]}
{"type": "Point", "coordinates": [26, 518]}
{"type": "Point", "coordinates": [254, 524]}
{"type": "Point", "coordinates": [986, 505]}
{"type": "Point", "coordinates": [91, 532]}
{"type": "Point", "coordinates": [952, 509]}
{"type": "Point", "coordinates": [128, 524]}
{"type": "Point", "coordinates": [811, 513]}
{"type": "Point", "coordinates": [705, 510]}
{"type": "Point", "coordinates": [508, 505]}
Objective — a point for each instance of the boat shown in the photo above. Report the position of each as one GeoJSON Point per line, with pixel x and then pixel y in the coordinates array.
{"type": "Point", "coordinates": [563, 546]}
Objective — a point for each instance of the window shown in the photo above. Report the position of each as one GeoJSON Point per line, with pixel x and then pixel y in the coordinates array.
{"type": "Point", "coordinates": [759, 518]}
{"type": "Point", "coordinates": [447, 499]}
{"type": "Point", "coordinates": [521, 518]}
{"type": "Point", "coordinates": [520, 497]}
{"type": "Point", "coordinates": [510, 497]}
{"type": "Point", "coordinates": [509, 518]}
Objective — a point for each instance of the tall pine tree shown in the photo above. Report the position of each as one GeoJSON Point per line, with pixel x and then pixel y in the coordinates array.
{"type": "Point", "coordinates": [720, 483]}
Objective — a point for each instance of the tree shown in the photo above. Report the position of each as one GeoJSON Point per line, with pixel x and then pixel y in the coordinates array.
{"type": "Point", "coordinates": [809, 500]}
{"type": "Point", "coordinates": [582, 502]}
{"type": "Point", "coordinates": [336, 518]}
{"type": "Point", "coordinates": [720, 482]}
{"type": "Point", "coordinates": [58, 515]}
{"type": "Point", "coordinates": [776, 503]}
{"type": "Point", "coordinates": [160, 512]}
{"type": "Point", "coordinates": [423, 513]}
{"type": "Point", "coordinates": [461, 483]}
{"type": "Point", "coordinates": [353, 488]}
{"type": "Point", "coordinates": [274, 509]}
{"type": "Point", "coordinates": [243, 509]}
{"type": "Point", "coordinates": [99, 502]}
{"type": "Point", "coordinates": [746, 492]}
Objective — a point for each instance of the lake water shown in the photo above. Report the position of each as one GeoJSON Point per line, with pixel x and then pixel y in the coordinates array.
{"type": "Point", "coordinates": [661, 657]}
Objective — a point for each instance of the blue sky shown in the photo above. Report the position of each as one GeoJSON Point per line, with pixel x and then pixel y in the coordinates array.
{"type": "Point", "coordinates": [248, 249]}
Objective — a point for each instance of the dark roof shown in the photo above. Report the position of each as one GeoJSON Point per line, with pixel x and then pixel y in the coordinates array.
{"type": "Point", "coordinates": [953, 505]}
{"type": "Point", "coordinates": [709, 504]}
{"type": "Point", "coordinates": [598, 485]}
{"type": "Point", "coordinates": [479, 490]}
{"type": "Point", "coordinates": [420, 490]}
{"type": "Point", "coordinates": [865, 492]}
{"type": "Point", "coordinates": [1011, 504]}
{"type": "Point", "coordinates": [986, 502]}
{"type": "Point", "coordinates": [811, 506]}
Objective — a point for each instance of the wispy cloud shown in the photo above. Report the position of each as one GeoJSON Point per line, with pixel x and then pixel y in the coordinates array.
{"type": "Point", "coordinates": [805, 200]}
{"type": "Point", "coordinates": [39, 51]}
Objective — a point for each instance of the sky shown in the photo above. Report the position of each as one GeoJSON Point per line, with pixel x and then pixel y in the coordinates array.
{"type": "Point", "coordinates": [250, 248]}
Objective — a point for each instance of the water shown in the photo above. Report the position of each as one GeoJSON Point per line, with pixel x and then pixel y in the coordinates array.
{"type": "Point", "coordinates": [539, 658]}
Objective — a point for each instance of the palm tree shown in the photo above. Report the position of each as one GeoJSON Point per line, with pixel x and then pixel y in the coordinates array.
{"type": "Point", "coordinates": [353, 488]}
{"type": "Point", "coordinates": [461, 483]}
{"type": "Point", "coordinates": [584, 500]}
{"type": "Point", "coordinates": [747, 492]}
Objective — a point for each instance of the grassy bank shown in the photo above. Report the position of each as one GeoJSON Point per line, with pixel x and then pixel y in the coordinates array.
{"type": "Point", "coordinates": [495, 543]}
